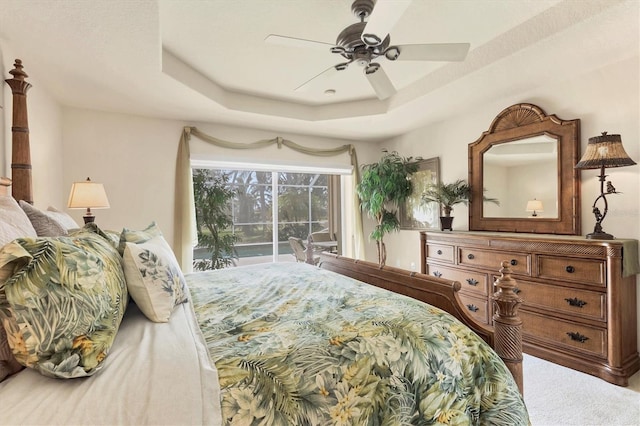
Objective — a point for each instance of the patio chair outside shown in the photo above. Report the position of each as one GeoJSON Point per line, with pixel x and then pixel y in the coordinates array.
{"type": "Point", "coordinates": [328, 242]}
{"type": "Point", "coordinates": [300, 251]}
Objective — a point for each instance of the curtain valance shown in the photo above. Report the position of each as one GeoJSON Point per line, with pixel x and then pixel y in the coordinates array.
{"type": "Point", "coordinates": [185, 232]}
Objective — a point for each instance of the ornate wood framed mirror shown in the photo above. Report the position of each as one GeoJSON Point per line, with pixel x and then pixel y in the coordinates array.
{"type": "Point", "coordinates": [526, 160]}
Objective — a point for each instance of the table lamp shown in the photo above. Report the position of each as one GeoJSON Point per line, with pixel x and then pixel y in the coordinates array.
{"type": "Point", "coordinates": [603, 151]}
{"type": "Point", "coordinates": [88, 195]}
{"type": "Point", "coordinates": [534, 206]}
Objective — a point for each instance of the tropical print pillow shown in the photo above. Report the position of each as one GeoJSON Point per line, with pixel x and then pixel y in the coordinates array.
{"type": "Point", "coordinates": [132, 236]}
{"type": "Point", "coordinates": [154, 278]}
{"type": "Point", "coordinates": [112, 236]}
{"type": "Point", "coordinates": [63, 302]}
{"type": "Point", "coordinates": [8, 363]}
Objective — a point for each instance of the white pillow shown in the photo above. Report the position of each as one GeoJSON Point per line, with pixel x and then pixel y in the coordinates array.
{"type": "Point", "coordinates": [154, 279]}
{"type": "Point", "coordinates": [62, 217]}
{"type": "Point", "coordinates": [14, 222]}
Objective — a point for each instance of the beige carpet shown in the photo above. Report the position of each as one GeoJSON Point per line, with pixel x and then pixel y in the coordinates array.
{"type": "Point", "coordinates": [558, 396]}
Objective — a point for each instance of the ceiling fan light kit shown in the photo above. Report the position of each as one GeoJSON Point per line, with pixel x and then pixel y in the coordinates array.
{"type": "Point", "coordinates": [369, 39]}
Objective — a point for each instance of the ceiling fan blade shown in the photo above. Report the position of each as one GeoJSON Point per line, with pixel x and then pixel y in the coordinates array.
{"type": "Point", "coordinates": [379, 81]}
{"type": "Point", "coordinates": [384, 17]}
{"type": "Point", "coordinates": [432, 52]}
{"type": "Point", "coordinates": [297, 42]}
{"type": "Point", "coordinates": [323, 76]}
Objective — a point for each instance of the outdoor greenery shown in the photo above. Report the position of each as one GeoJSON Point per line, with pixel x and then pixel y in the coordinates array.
{"type": "Point", "coordinates": [246, 199]}
{"type": "Point", "coordinates": [302, 198]}
{"type": "Point", "coordinates": [213, 217]}
{"type": "Point", "coordinates": [383, 187]}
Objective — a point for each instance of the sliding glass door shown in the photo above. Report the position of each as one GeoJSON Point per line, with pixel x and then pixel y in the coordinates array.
{"type": "Point", "coordinates": [264, 222]}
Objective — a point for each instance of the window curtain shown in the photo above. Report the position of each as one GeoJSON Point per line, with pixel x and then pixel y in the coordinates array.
{"type": "Point", "coordinates": [335, 216]}
{"type": "Point", "coordinates": [185, 232]}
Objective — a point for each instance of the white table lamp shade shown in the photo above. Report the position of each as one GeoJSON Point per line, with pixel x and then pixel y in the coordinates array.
{"type": "Point", "coordinates": [534, 206]}
{"type": "Point", "coordinates": [88, 194]}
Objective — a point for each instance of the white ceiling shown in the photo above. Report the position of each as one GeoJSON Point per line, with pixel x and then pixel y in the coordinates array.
{"type": "Point", "coordinates": [207, 60]}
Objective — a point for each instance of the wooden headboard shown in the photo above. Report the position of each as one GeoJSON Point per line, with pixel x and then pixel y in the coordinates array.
{"type": "Point", "coordinates": [21, 185]}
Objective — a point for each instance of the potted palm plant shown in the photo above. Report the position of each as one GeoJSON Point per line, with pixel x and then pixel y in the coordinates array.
{"type": "Point", "coordinates": [448, 195]}
{"type": "Point", "coordinates": [383, 187]}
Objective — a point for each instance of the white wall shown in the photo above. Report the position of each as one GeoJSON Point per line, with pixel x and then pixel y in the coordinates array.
{"type": "Point", "coordinates": [134, 157]}
{"type": "Point", "coordinates": [4, 115]}
{"type": "Point", "coordinates": [45, 136]}
{"type": "Point", "coordinates": [532, 181]}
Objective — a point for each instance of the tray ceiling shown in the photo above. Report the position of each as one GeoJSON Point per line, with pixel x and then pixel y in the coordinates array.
{"type": "Point", "coordinates": [208, 60]}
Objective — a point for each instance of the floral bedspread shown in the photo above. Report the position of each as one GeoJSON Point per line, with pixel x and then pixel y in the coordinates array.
{"type": "Point", "coordinates": [296, 345]}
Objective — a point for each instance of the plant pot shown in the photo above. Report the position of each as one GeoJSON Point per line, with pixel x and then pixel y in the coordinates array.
{"type": "Point", "coordinates": [445, 223]}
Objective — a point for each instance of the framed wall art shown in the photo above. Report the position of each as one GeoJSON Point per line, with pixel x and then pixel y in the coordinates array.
{"type": "Point", "coordinates": [414, 214]}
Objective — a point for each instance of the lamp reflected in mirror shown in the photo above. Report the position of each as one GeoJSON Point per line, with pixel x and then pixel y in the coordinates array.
{"type": "Point", "coordinates": [602, 152]}
{"type": "Point", "coordinates": [88, 195]}
{"type": "Point", "coordinates": [534, 206]}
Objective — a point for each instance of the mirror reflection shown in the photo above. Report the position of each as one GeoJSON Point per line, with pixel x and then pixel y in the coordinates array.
{"type": "Point", "coordinates": [518, 133]}
{"type": "Point", "coordinates": [523, 175]}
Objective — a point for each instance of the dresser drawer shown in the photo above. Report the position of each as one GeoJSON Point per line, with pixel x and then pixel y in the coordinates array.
{"type": "Point", "coordinates": [584, 271]}
{"type": "Point", "coordinates": [583, 338]}
{"type": "Point", "coordinates": [579, 308]}
{"type": "Point", "coordinates": [564, 300]}
{"type": "Point", "coordinates": [477, 307]}
{"type": "Point", "coordinates": [440, 252]}
{"type": "Point", "coordinates": [471, 281]}
{"type": "Point", "coordinates": [519, 263]}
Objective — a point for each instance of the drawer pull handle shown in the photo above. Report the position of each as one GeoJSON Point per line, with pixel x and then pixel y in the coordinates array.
{"type": "Point", "coordinates": [577, 337]}
{"type": "Point", "coordinates": [437, 274]}
{"type": "Point", "coordinates": [470, 256]}
{"type": "Point", "coordinates": [570, 269]}
{"type": "Point", "coordinates": [516, 290]}
{"type": "Point", "coordinates": [473, 308]}
{"type": "Point", "coordinates": [576, 302]}
{"type": "Point", "coordinates": [439, 252]}
{"type": "Point", "coordinates": [513, 262]}
{"type": "Point", "coordinates": [472, 282]}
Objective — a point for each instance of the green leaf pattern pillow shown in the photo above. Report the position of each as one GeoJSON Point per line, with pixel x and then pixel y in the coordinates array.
{"type": "Point", "coordinates": [138, 237]}
{"type": "Point", "coordinates": [112, 236]}
{"type": "Point", "coordinates": [63, 302]}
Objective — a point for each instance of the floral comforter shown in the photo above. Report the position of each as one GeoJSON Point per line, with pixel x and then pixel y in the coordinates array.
{"type": "Point", "coordinates": [297, 345]}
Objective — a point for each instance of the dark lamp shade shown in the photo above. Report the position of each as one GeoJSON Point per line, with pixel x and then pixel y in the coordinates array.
{"type": "Point", "coordinates": [605, 150]}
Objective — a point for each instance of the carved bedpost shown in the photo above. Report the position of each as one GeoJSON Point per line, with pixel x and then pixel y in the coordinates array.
{"type": "Point", "coordinates": [21, 156]}
{"type": "Point", "coordinates": [508, 325]}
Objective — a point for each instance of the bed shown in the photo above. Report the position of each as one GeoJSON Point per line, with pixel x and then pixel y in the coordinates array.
{"type": "Point", "coordinates": [344, 342]}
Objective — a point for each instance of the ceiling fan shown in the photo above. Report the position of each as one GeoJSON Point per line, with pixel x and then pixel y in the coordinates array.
{"type": "Point", "coordinates": [369, 40]}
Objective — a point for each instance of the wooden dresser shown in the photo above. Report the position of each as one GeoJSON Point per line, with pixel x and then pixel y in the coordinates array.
{"type": "Point", "coordinates": [579, 295]}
